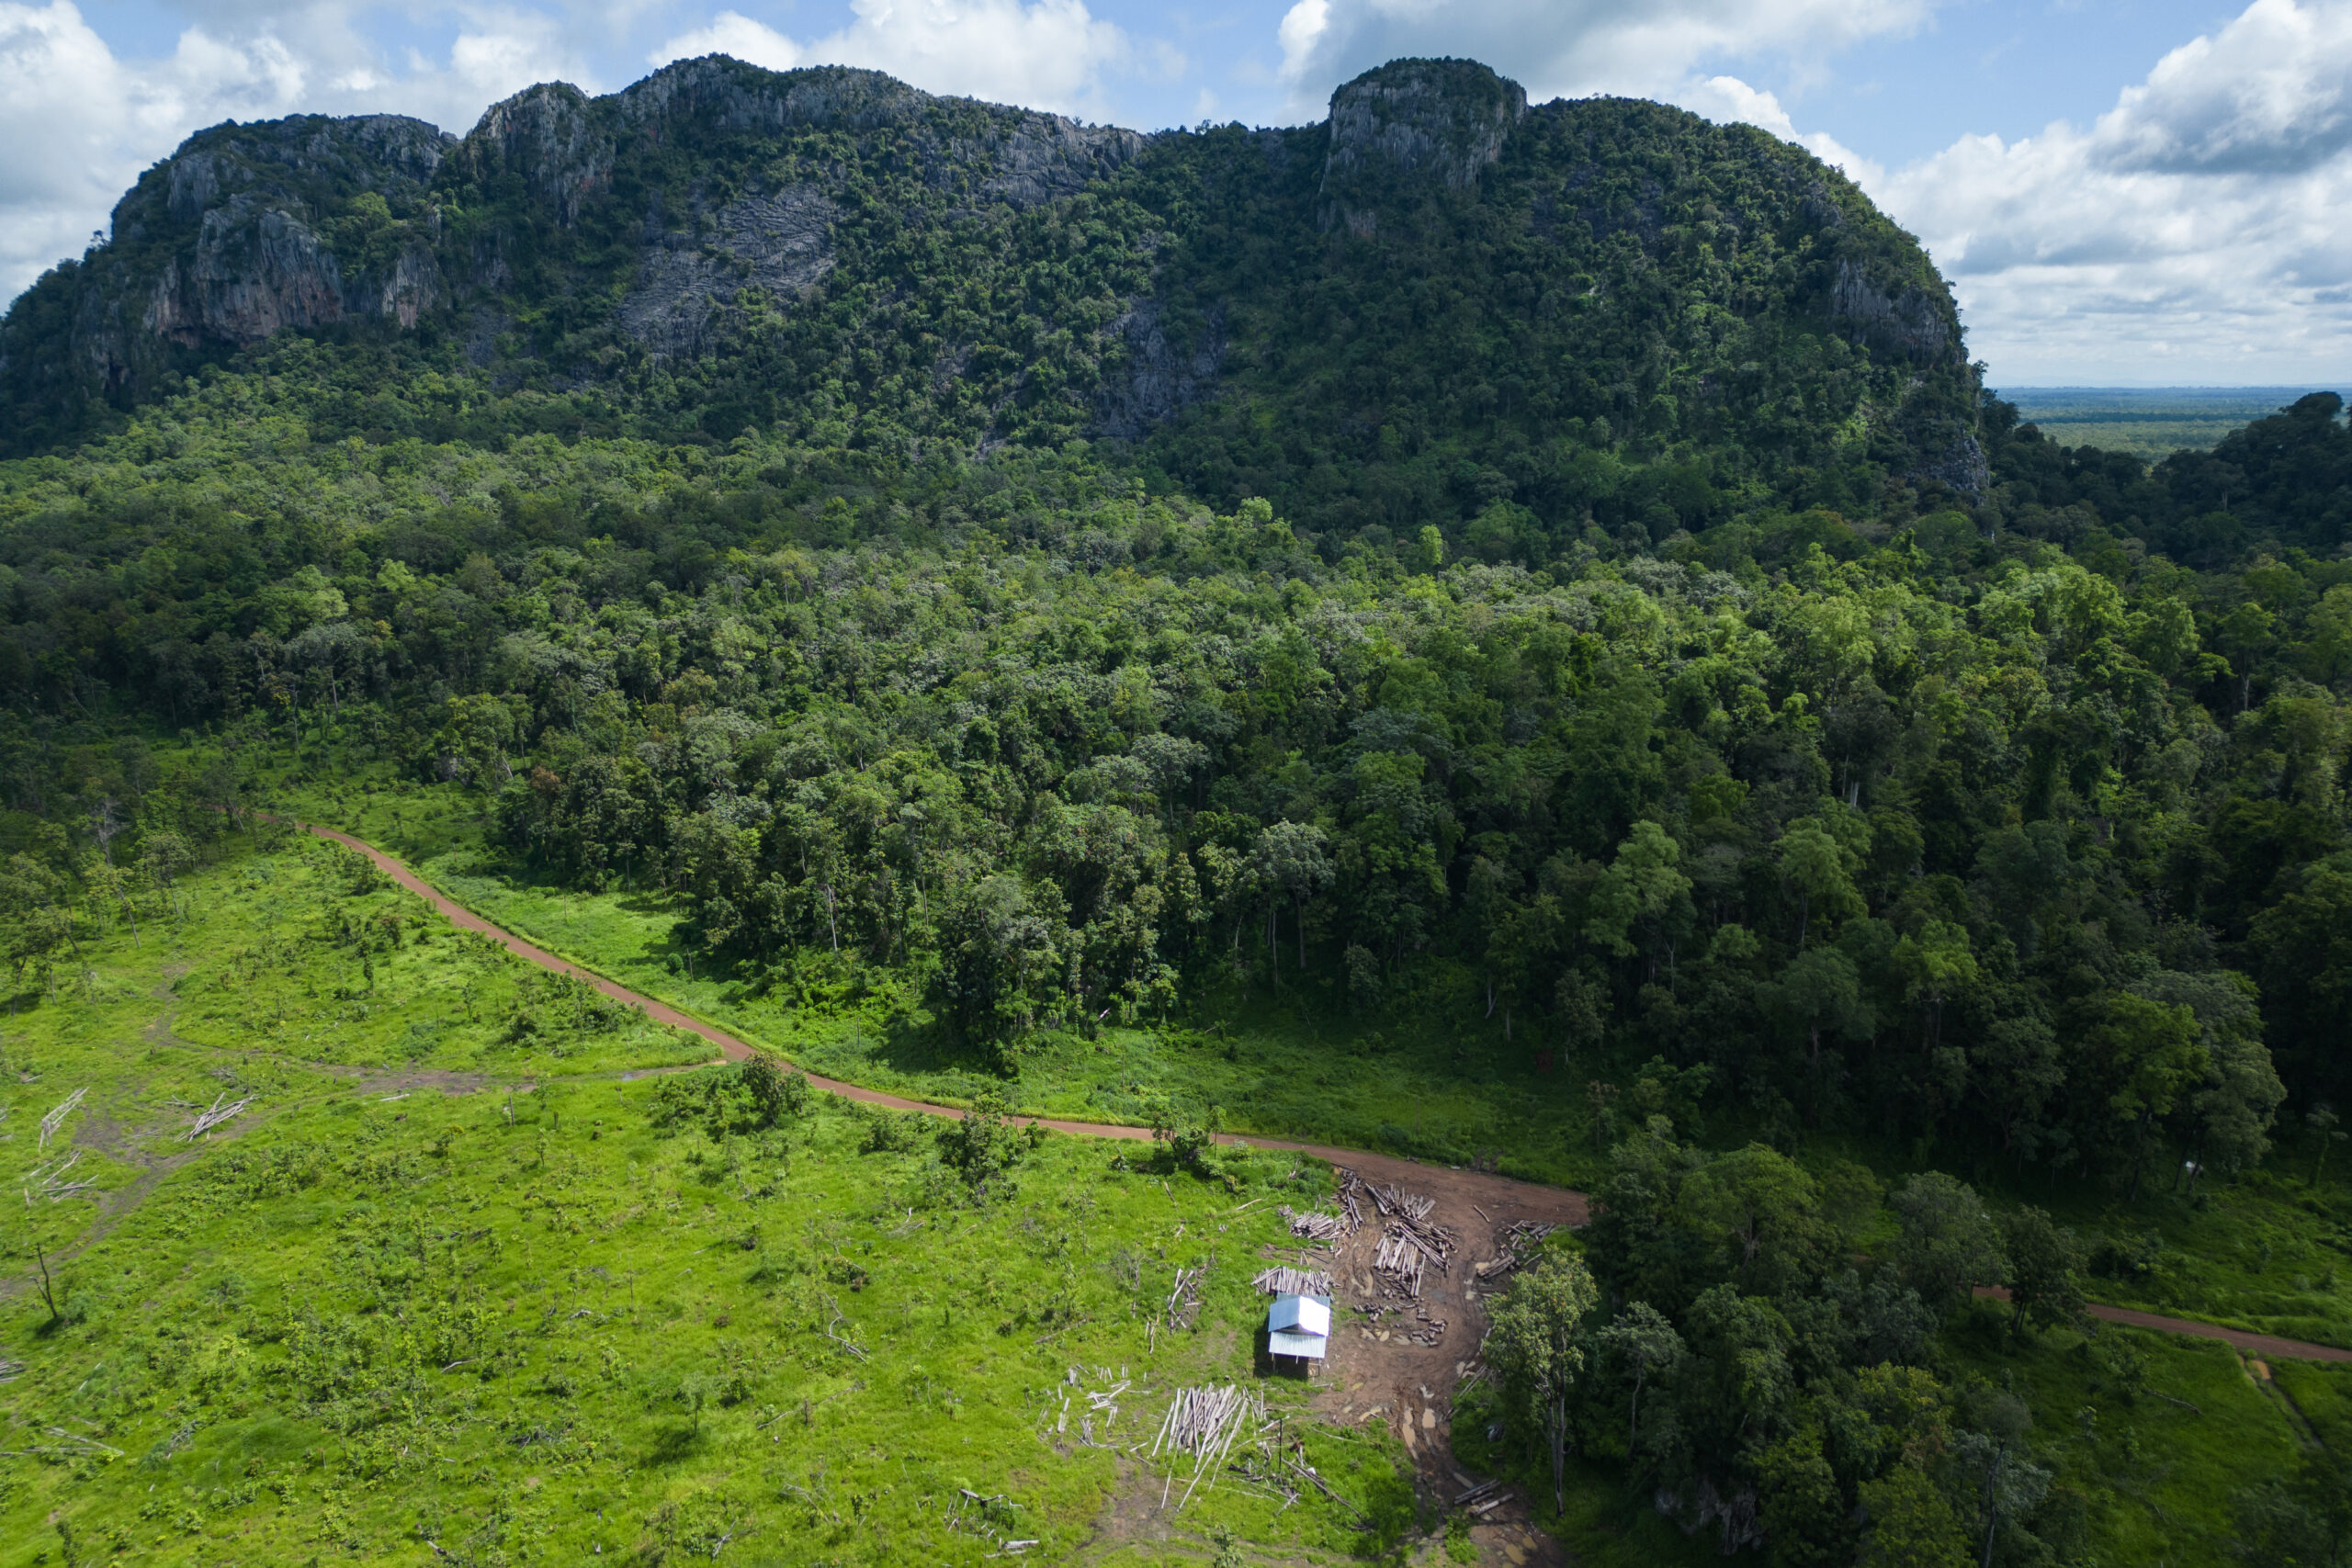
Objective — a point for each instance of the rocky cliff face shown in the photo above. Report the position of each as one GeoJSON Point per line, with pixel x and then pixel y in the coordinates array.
{"type": "Point", "coordinates": [1413, 126]}
{"type": "Point", "coordinates": [914, 248]}
{"type": "Point", "coordinates": [249, 230]}
{"type": "Point", "coordinates": [228, 241]}
{"type": "Point", "coordinates": [781, 244]}
{"type": "Point", "coordinates": [1906, 322]}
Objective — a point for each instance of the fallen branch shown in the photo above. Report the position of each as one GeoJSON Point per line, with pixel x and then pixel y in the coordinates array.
{"type": "Point", "coordinates": [839, 1317]}
{"type": "Point", "coordinates": [213, 1115]}
{"type": "Point", "coordinates": [56, 1119]}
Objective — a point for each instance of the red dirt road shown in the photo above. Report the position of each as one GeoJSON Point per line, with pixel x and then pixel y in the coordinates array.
{"type": "Point", "coordinates": [1556, 1204]}
{"type": "Point", "coordinates": [2268, 1345]}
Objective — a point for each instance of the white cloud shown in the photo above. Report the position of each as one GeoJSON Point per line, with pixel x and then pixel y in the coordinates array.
{"type": "Point", "coordinates": [83, 125]}
{"type": "Point", "coordinates": [731, 33]}
{"type": "Point", "coordinates": [1573, 48]}
{"type": "Point", "coordinates": [2200, 230]}
{"type": "Point", "coordinates": [1048, 54]}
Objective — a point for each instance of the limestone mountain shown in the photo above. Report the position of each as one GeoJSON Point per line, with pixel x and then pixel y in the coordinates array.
{"type": "Point", "coordinates": [1441, 303]}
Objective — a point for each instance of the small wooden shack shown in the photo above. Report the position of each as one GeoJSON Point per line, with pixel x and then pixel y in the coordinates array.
{"type": "Point", "coordinates": [1299, 1325]}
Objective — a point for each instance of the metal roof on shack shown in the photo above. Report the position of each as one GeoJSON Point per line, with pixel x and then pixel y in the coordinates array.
{"type": "Point", "coordinates": [1300, 1315]}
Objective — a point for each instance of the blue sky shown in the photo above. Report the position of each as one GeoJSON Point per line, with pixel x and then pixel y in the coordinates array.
{"type": "Point", "coordinates": [2151, 193]}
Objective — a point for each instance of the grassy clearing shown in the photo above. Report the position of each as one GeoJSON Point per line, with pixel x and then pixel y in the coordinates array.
{"type": "Point", "coordinates": [2270, 1253]}
{"type": "Point", "coordinates": [2153, 1479]}
{"type": "Point", "coordinates": [2322, 1392]}
{"type": "Point", "coordinates": [2267, 1252]}
{"type": "Point", "coordinates": [398, 1302]}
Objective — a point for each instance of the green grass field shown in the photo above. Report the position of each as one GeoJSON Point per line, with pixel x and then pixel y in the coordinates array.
{"type": "Point", "coordinates": [447, 1284]}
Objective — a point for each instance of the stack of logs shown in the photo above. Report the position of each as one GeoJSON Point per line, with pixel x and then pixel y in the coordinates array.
{"type": "Point", "coordinates": [1283, 1281]}
{"type": "Point", "coordinates": [1409, 1243]}
{"type": "Point", "coordinates": [1316, 1225]}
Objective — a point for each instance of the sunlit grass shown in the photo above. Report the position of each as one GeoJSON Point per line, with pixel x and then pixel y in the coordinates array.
{"type": "Point", "coordinates": [399, 1301]}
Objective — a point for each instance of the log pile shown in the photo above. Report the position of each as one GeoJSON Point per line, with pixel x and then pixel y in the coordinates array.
{"type": "Point", "coordinates": [1352, 1199]}
{"type": "Point", "coordinates": [1401, 1261]}
{"type": "Point", "coordinates": [1316, 1224]}
{"type": "Point", "coordinates": [1483, 1499]}
{"type": "Point", "coordinates": [1396, 1203]}
{"type": "Point", "coordinates": [1287, 1282]}
{"type": "Point", "coordinates": [1410, 1245]}
{"type": "Point", "coordinates": [1518, 1243]}
{"type": "Point", "coordinates": [1205, 1422]}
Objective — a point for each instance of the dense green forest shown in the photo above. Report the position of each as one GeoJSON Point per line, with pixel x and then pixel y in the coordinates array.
{"type": "Point", "coordinates": [1575, 599]}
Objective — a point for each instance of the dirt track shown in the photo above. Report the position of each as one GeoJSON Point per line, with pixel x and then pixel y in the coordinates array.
{"type": "Point", "coordinates": [1530, 1200]}
{"type": "Point", "coordinates": [2252, 1344]}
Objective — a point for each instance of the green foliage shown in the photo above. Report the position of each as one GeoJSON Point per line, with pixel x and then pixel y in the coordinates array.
{"type": "Point", "coordinates": [983, 1145]}
{"type": "Point", "coordinates": [2045, 1264]}
{"type": "Point", "coordinates": [1947, 1242]}
{"type": "Point", "coordinates": [750, 1096]}
{"type": "Point", "coordinates": [1535, 1345]}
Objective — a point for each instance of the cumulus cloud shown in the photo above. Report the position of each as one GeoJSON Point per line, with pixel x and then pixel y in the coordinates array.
{"type": "Point", "coordinates": [82, 124]}
{"type": "Point", "coordinates": [2199, 230]}
{"type": "Point", "coordinates": [730, 32]}
{"type": "Point", "coordinates": [1573, 48]}
{"type": "Point", "coordinates": [1047, 54]}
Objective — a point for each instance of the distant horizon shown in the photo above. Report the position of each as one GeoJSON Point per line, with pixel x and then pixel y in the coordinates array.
{"type": "Point", "coordinates": [2165, 385]}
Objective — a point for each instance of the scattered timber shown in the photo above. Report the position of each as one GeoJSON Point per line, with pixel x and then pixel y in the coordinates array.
{"type": "Point", "coordinates": [1184, 1299]}
{"type": "Point", "coordinates": [48, 1182]}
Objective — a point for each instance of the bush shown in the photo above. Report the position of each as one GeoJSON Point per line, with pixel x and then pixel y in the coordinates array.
{"type": "Point", "coordinates": [888, 1132]}
{"type": "Point", "coordinates": [984, 1146]}
{"type": "Point", "coordinates": [748, 1097]}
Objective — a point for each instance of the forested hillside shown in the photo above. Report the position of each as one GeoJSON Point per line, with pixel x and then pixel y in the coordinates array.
{"type": "Point", "coordinates": [1544, 577]}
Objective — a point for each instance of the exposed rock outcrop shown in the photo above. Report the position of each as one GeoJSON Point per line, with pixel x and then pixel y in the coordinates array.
{"type": "Point", "coordinates": [547, 138]}
{"type": "Point", "coordinates": [1910, 325]}
{"type": "Point", "coordinates": [1413, 126]}
{"type": "Point", "coordinates": [783, 243]}
{"type": "Point", "coordinates": [1158, 379]}
{"type": "Point", "coordinates": [1961, 465]}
